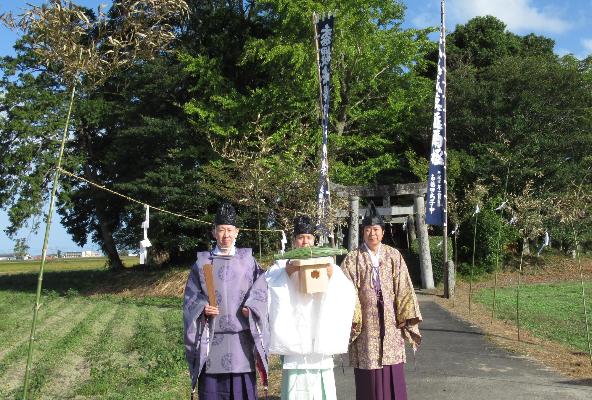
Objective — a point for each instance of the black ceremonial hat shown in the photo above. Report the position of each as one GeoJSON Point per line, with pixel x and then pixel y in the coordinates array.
{"type": "Point", "coordinates": [303, 224]}
{"type": "Point", "coordinates": [226, 215]}
{"type": "Point", "coordinates": [372, 217]}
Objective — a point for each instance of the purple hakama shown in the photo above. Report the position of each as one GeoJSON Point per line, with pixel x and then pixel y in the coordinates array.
{"type": "Point", "coordinates": [227, 386]}
{"type": "Point", "coordinates": [387, 383]}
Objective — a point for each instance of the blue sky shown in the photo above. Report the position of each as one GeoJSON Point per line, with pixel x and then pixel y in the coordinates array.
{"type": "Point", "coordinates": [568, 22]}
{"type": "Point", "coordinates": [58, 238]}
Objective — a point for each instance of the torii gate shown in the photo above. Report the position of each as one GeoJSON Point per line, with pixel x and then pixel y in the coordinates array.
{"type": "Point", "coordinates": [414, 215]}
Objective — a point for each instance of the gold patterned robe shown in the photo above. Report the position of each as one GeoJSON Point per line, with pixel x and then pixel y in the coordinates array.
{"type": "Point", "coordinates": [401, 309]}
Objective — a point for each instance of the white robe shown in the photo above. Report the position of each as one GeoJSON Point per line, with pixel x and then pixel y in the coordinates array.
{"type": "Point", "coordinates": [308, 329]}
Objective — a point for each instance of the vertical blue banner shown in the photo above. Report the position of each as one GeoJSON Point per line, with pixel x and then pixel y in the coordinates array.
{"type": "Point", "coordinates": [436, 199]}
{"type": "Point", "coordinates": [324, 29]}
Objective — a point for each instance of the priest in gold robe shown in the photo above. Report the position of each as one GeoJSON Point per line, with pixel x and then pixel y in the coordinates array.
{"type": "Point", "coordinates": [387, 314]}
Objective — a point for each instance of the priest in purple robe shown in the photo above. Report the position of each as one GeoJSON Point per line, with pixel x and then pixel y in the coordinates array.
{"type": "Point", "coordinates": [226, 343]}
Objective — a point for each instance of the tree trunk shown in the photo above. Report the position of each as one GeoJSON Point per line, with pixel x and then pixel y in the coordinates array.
{"type": "Point", "coordinates": [108, 245]}
{"type": "Point", "coordinates": [525, 246]}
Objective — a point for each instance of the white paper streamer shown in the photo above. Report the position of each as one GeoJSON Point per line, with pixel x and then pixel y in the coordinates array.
{"type": "Point", "coordinates": [501, 206]}
{"type": "Point", "coordinates": [145, 243]}
{"type": "Point", "coordinates": [284, 241]}
{"type": "Point", "coordinates": [547, 239]}
{"type": "Point", "coordinates": [546, 242]}
{"type": "Point", "coordinates": [455, 231]}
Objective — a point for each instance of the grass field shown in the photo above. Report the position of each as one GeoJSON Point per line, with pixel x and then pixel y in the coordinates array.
{"type": "Point", "coordinates": [105, 347]}
{"type": "Point", "coordinates": [92, 342]}
{"type": "Point", "coordinates": [61, 264]}
{"type": "Point", "coordinates": [549, 311]}
{"type": "Point", "coordinates": [89, 347]}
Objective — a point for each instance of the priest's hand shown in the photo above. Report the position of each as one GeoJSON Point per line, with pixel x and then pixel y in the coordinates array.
{"type": "Point", "coordinates": [211, 310]}
{"type": "Point", "coordinates": [291, 269]}
{"type": "Point", "coordinates": [245, 312]}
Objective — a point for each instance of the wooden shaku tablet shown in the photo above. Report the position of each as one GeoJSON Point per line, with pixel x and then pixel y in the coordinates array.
{"type": "Point", "coordinates": [209, 277]}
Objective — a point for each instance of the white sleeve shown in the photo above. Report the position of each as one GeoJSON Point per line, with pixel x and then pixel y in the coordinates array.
{"type": "Point", "coordinates": [289, 316]}
{"type": "Point", "coordinates": [336, 314]}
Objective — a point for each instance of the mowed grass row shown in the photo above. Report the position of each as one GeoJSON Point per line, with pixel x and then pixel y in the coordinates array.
{"type": "Point", "coordinates": [104, 347]}
{"type": "Point", "coordinates": [551, 311]}
{"type": "Point", "coordinates": [60, 264]}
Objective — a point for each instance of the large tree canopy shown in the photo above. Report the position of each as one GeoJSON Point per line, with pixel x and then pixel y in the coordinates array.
{"type": "Point", "coordinates": [517, 111]}
{"type": "Point", "coordinates": [259, 104]}
{"type": "Point", "coordinates": [116, 138]}
{"type": "Point", "coordinates": [234, 114]}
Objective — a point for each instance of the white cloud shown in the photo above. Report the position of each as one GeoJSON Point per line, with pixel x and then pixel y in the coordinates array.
{"type": "Point", "coordinates": [519, 15]}
{"type": "Point", "coordinates": [587, 43]}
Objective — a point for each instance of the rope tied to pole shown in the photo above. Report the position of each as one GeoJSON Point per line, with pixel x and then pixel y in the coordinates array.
{"type": "Point", "coordinates": [162, 210]}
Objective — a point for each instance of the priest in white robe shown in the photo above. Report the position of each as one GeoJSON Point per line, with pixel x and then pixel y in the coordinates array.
{"type": "Point", "coordinates": [308, 329]}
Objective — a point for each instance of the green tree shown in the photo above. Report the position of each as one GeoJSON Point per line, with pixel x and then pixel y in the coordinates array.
{"type": "Point", "coordinates": [265, 126]}
{"type": "Point", "coordinates": [516, 108]}
{"type": "Point", "coordinates": [528, 114]}
{"type": "Point", "coordinates": [137, 140]}
{"type": "Point", "coordinates": [33, 107]}
{"type": "Point", "coordinates": [480, 43]}
{"type": "Point", "coordinates": [21, 248]}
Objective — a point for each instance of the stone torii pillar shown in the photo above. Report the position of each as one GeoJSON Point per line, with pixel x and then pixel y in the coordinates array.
{"type": "Point", "coordinates": [425, 260]}
{"type": "Point", "coordinates": [354, 205]}
{"type": "Point", "coordinates": [411, 231]}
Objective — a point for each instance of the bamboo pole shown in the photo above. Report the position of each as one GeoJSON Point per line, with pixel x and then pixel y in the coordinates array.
{"type": "Point", "coordinates": [578, 256]}
{"type": "Point", "coordinates": [450, 285]}
{"type": "Point", "coordinates": [455, 258]}
{"type": "Point", "coordinates": [449, 272]}
{"type": "Point", "coordinates": [498, 248]}
{"type": "Point", "coordinates": [45, 242]}
{"type": "Point", "coordinates": [473, 263]}
{"type": "Point", "coordinates": [258, 210]}
{"type": "Point", "coordinates": [586, 319]}
{"type": "Point", "coordinates": [494, 293]}
{"type": "Point", "coordinates": [518, 293]}
{"type": "Point", "coordinates": [456, 245]}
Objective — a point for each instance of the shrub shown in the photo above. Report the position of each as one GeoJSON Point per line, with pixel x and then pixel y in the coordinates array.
{"type": "Point", "coordinates": [490, 224]}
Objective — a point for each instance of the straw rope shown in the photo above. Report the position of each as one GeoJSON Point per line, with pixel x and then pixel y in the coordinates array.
{"type": "Point", "coordinates": [126, 197]}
